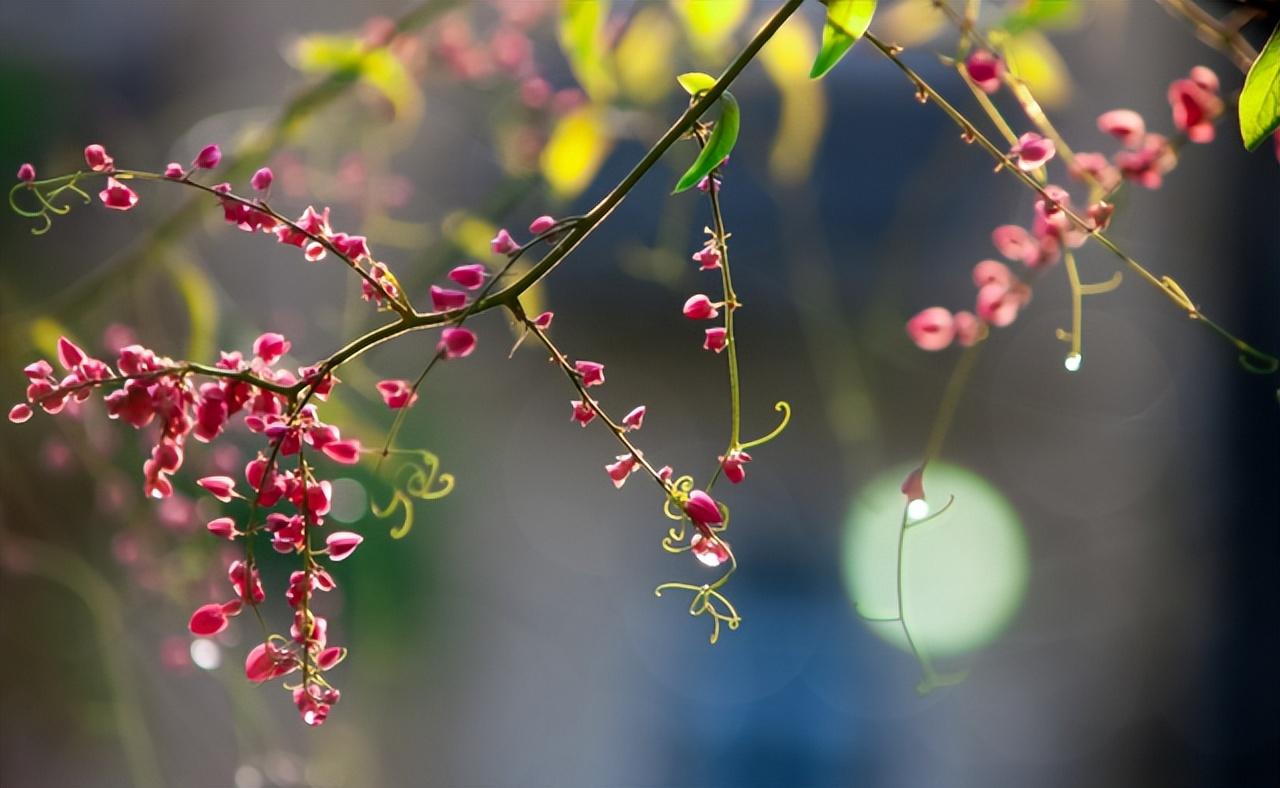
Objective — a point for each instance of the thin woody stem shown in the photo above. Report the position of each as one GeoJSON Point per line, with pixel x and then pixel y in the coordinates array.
{"type": "Point", "coordinates": [617, 429]}
{"type": "Point", "coordinates": [1218, 34]}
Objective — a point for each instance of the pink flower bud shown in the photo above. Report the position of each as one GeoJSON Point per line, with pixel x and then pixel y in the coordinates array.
{"type": "Point", "coordinates": [346, 452]}
{"type": "Point", "coordinates": [20, 413]}
{"type": "Point", "coordinates": [932, 328]}
{"type": "Point", "coordinates": [1205, 77]}
{"type": "Point", "coordinates": [397, 393]}
{"type": "Point", "coordinates": [988, 271]}
{"type": "Point", "coordinates": [543, 321]}
{"type": "Point", "coordinates": [221, 487]}
{"type": "Point", "coordinates": [26, 173]}
{"type": "Point", "coordinates": [717, 339]}
{"type": "Point", "coordinates": [707, 258]}
{"type": "Point", "coordinates": [1015, 243]}
{"type": "Point", "coordinates": [699, 307]}
{"type": "Point", "coordinates": [582, 413]}
{"type": "Point", "coordinates": [913, 485]}
{"type": "Point", "coordinates": [968, 328]}
{"type": "Point", "coordinates": [444, 300]}
{"type": "Point", "coordinates": [702, 509]}
{"type": "Point", "coordinates": [270, 347]}
{"type": "Point", "coordinates": [503, 243]}
{"type": "Point", "coordinates": [96, 157]}
{"type": "Point", "coordinates": [208, 157]}
{"type": "Point", "coordinates": [174, 171]}
{"type": "Point", "coordinates": [456, 342]}
{"type": "Point", "coordinates": [207, 621]}
{"type": "Point", "coordinates": [1032, 151]}
{"type": "Point", "coordinates": [342, 544]}
{"type": "Point", "coordinates": [266, 661]}
{"type": "Point", "coordinates": [542, 224]}
{"type": "Point", "coordinates": [621, 470]}
{"type": "Point", "coordinates": [732, 464]}
{"type": "Point", "coordinates": [69, 354]}
{"type": "Point", "coordinates": [635, 419]}
{"type": "Point", "coordinates": [1100, 214]}
{"type": "Point", "coordinates": [592, 373]}
{"type": "Point", "coordinates": [1123, 124]}
{"type": "Point", "coordinates": [710, 550]}
{"type": "Point", "coordinates": [1194, 109]}
{"type": "Point", "coordinates": [998, 304]}
{"type": "Point", "coordinates": [330, 657]}
{"type": "Point", "coordinates": [262, 179]}
{"type": "Point", "coordinates": [985, 69]}
{"type": "Point", "coordinates": [535, 92]}
{"type": "Point", "coordinates": [223, 527]}
{"type": "Point", "coordinates": [469, 276]}
{"type": "Point", "coordinates": [118, 196]}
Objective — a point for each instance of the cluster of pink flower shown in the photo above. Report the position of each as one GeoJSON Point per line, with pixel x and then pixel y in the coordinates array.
{"type": "Point", "coordinates": [1146, 157]}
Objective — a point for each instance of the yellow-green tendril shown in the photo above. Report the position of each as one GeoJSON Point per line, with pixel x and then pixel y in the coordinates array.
{"type": "Point", "coordinates": [414, 479]}
{"type": "Point", "coordinates": [785, 409]}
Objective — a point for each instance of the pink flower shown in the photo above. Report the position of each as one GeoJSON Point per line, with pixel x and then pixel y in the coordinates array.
{"type": "Point", "coordinates": [702, 509]}
{"type": "Point", "coordinates": [998, 304]}
{"type": "Point", "coordinates": [70, 355]}
{"type": "Point", "coordinates": [342, 544]}
{"type": "Point", "coordinates": [699, 307]}
{"type": "Point", "coordinates": [270, 347]}
{"type": "Point", "coordinates": [710, 550]}
{"type": "Point", "coordinates": [267, 661]}
{"type": "Point", "coordinates": [732, 465]}
{"type": "Point", "coordinates": [20, 413]}
{"type": "Point", "coordinates": [1123, 124]}
{"type": "Point", "coordinates": [707, 258]}
{"type": "Point", "coordinates": [1015, 243]}
{"type": "Point", "coordinates": [456, 342]}
{"type": "Point", "coordinates": [1100, 214]}
{"type": "Point", "coordinates": [1194, 109]}
{"type": "Point", "coordinates": [1095, 165]}
{"type": "Point", "coordinates": [535, 92]}
{"type": "Point", "coordinates": [635, 419]}
{"type": "Point", "coordinates": [619, 471]}
{"type": "Point", "coordinates": [542, 224]}
{"type": "Point", "coordinates": [346, 452]}
{"type": "Point", "coordinates": [173, 171]}
{"type": "Point", "coordinates": [444, 300]}
{"type": "Point", "coordinates": [118, 196]}
{"type": "Point", "coordinates": [592, 373]}
{"type": "Point", "coordinates": [352, 246]}
{"type": "Point", "coordinates": [397, 393]}
{"type": "Point", "coordinates": [1148, 164]}
{"type": "Point", "coordinates": [717, 339]}
{"type": "Point", "coordinates": [221, 487]}
{"type": "Point", "coordinates": [503, 243]}
{"type": "Point", "coordinates": [262, 179]}
{"type": "Point", "coordinates": [1205, 78]}
{"type": "Point", "coordinates": [932, 328]}
{"type": "Point", "coordinates": [988, 271]}
{"type": "Point", "coordinates": [223, 527]}
{"type": "Point", "coordinates": [207, 621]}
{"type": "Point", "coordinates": [1032, 151]}
{"type": "Point", "coordinates": [96, 157]}
{"type": "Point", "coordinates": [985, 69]}
{"type": "Point", "coordinates": [968, 328]}
{"type": "Point", "coordinates": [543, 321]}
{"type": "Point", "coordinates": [208, 157]}
{"type": "Point", "coordinates": [469, 276]}
{"type": "Point", "coordinates": [26, 173]}
{"type": "Point", "coordinates": [582, 413]}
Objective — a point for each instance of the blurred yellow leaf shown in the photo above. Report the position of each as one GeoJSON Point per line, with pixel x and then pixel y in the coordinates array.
{"type": "Point", "coordinates": [1037, 63]}
{"type": "Point", "coordinates": [201, 301]}
{"type": "Point", "coordinates": [471, 234]}
{"type": "Point", "coordinates": [786, 59]}
{"type": "Point", "coordinates": [575, 151]}
{"type": "Point", "coordinates": [378, 68]}
{"type": "Point", "coordinates": [386, 73]}
{"type": "Point", "coordinates": [911, 22]}
{"type": "Point", "coordinates": [710, 23]}
{"type": "Point", "coordinates": [320, 53]}
{"type": "Point", "coordinates": [45, 332]}
{"type": "Point", "coordinates": [645, 54]}
{"type": "Point", "coordinates": [582, 41]}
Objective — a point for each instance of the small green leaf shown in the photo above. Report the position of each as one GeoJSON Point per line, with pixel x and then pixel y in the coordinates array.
{"type": "Point", "coordinates": [1260, 99]}
{"type": "Point", "coordinates": [695, 82]}
{"type": "Point", "coordinates": [723, 137]}
{"type": "Point", "coordinates": [847, 20]}
{"type": "Point", "coordinates": [1042, 14]}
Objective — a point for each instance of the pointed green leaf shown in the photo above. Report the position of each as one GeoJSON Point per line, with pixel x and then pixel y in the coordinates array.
{"type": "Point", "coordinates": [847, 20]}
{"type": "Point", "coordinates": [695, 82]}
{"type": "Point", "coordinates": [721, 142]}
{"type": "Point", "coordinates": [1260, 99]}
